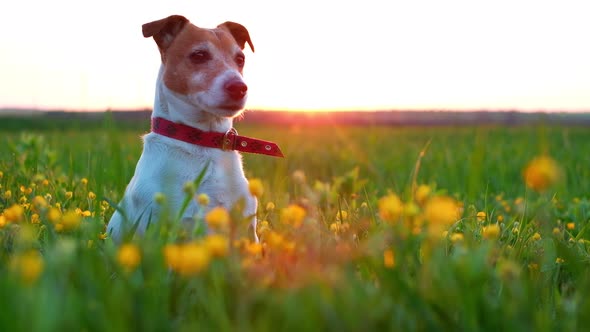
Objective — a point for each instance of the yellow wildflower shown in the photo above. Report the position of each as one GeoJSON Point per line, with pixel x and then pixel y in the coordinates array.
{"type": "Point", "coordinates": [536, 237]}
{"type": "Point", "coordinates": [457, 237]}
{"type": "Point", "coordinates": [556, 231]}
{"type": "Point", "coordinates": [541, 173]}
{"type": "Point", "coordinates": [389, 259]}
{"type": "Point", "coordinates": [441, 211]}
{"type": "Point", "coordinates": [70, 220]}
{"type": "Point", "coordinates": [69, 195]}
{"type": "Point", "coordinates": [84, 181]}
{"type": "Point", "coordinates": [7, 194]}
{"type": "Point", "coordinates": [218, 245]}
{"type": "Point", "coordinates": [203, 199]}
{"type": "Point", "coordinates": [390, 208]}
{"type": "Point", "coordinates": [2, 221]}
{"type": "Point", "coordinates": [293, 215]}
{"type": "Point", "coordinates": [481, 216]}
{"type": "Point", "coordinates": [570, 226]}
{"type": "Point", "coordinates": [270, 206]}
{"type": "Point", "coordinates": [255, 187]}
{"type": "Point", "coordinates": [172, 256]}
{"type": "Point", "coordinates": [14, 214]}
{"type": "Point", "coordinates": [54, 215]}
{"type": "Point", "coordinates": [500, 218]}
{"type": "Point", "coordinates": [491, 232]}
{"type": "Point", "coordinates": [218, 218]}
{"type": "Point", "coordinates": [91, 195]}
{"type": "Point", "coordinates": [422, 193]}
{"type": "Point", "coordinates": [35, 218]}
{"type": "Point", "coordinates": [29, 266]}
{"type": "Point", "coordinates": [254, 249]}
{"type": "Point", "coordinates": [194, 258]}
{"type": "Point", "coordinates": [342, 215]}
{"type": "Point", "coordinates": [1, 174]}
{"type": "Point", "coordinates": [129, 256]}
{"type": "Point", "coordinates": [559, 260]}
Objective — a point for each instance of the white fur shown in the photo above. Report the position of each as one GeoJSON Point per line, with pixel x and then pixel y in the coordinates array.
{"type": "Point", "coordinates": [167, 164]}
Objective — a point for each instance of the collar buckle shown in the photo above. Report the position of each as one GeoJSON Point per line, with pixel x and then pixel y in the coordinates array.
{"type": "Point", "coordinates": [229, 140]}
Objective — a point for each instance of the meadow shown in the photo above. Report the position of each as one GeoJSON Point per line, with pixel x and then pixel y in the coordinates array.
{"type": "Point", "coordinates": [363, 228]}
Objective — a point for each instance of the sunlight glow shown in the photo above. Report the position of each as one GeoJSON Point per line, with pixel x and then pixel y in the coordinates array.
{"type": "Point", "coordinates": [460, 54]}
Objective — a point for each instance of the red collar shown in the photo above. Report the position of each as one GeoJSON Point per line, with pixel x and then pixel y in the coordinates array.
{"type": "Point", "coordinates": [225, 141]}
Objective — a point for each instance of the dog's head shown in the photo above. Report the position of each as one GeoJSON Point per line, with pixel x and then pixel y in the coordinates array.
{"type": "Point", "coordinates": [204, 65]}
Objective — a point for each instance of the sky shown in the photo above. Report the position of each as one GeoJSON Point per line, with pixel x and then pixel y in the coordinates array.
{"type": "Point", "coordinates": [310, 54]}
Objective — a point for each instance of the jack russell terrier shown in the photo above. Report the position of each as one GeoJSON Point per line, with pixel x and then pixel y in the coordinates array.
{"type": "Point", "coordinates": [199, 91]}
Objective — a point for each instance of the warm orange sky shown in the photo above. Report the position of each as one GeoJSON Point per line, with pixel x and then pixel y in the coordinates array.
{"type": "Point", "coordinates": [466, 54]}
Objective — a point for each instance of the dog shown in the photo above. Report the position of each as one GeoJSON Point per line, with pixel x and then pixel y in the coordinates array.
{"type": "Point", "coordinates": [199, 90]}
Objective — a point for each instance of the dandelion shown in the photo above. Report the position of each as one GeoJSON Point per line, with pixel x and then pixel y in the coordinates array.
{"type": "Point", "coordinates": [253, 249]}
{"type": "Point", "coordinates": [54, 215]}
{"type": "Point", "coordinates": [203, 199]}
{"type": "Point", "coordinates": [255, 187]}
{"type": "Point", "coordinates": [570, 226]}
{"type": "Point", "coordinates": [491, 232]}
{"type": "Point", "coordinates": [35, 218]}
{"type": "Point", "coordinates": [218, 245]}
{"type": "Point", "coordinates": [69, 195]}
{"type": "Point", "coordinates": [481, 216]}
{"type": "Point", "coordinates": [536, 236]}
{"type": "Point", "coordinates": [7, 194]}
{"type": "Point", "coordinates": [421, 194]}
{"type": "Point", "coordinates": [541, 173]}
{"type": "Point", "coordinates": [293, 215]}
{"type": "Point", "coordinates": [556, 231]}
{"type": "Point", "coordinates": [500, 218]}
{"type": "Point", "coordinates": [341, 215]}
{"type": "Point", "coordinates": [218, 218]}
{"type": "Point", "coordinates": [129, 256]}
{"type": "Point", "coordinates": [262, 228]}
{"type": "Point", "coordinates": [2, 221]}
{"type": "Point", "coordinates": [390, 208]}
{"type": "Point", "coordinates": [84, 181]}
{"type": "Point", "coordinates": [389, 259]}
{"type": "Point", "coordinates": [91, 195]}
{"type": "Point", "coordinates": [39, 203]}
{"type": "Point", "coordinates": [29, 266]}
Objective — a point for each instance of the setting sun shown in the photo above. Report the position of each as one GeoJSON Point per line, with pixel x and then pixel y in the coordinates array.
{"type": "Point", "coordinates": [332, 55]}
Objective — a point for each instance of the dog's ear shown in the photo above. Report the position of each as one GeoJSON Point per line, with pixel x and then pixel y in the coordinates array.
{"type": "Point", "coordinates": [164, 30]}
{"type": "Point", "coordinates": [239, 32]}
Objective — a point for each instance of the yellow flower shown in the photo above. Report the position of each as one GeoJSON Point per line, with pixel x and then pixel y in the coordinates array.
{"type": "Point", "coordinates": [457, 237]}
{"type": "Point", "coordinates": [390, 208]}
{"type": "Point", "coordinates": [7, 194]}
{"type": "Point", "coordinates": [91, 195]}
{"type": "Point", "coordinates": [35, 218]}
{"type": "Point", "coordinates": [54, 215]}
{"type": "Point", "coordinates": [1, 174]}
{"type": "Point", "coordinates": [218, 218]}
{"type": "Point", "coordinates": [422, 193]}
{"type": "Point", "coordinates": [255, 187]}
{"type": "Point", "coordinates": [541, 173]}
{"type": "Point", "coordinates": [69, 194]}
{"type": "Point", "coordinates": [218, 245]}
{"type": "Point", "coordinates": [2, 221]}
{"type": "Point", "coordinates": [293, 215]}
{"type": "Point", "coordinates": [481, 216]}
{"type": "Point", "coordinates": [441, 210]}
{"type": "Point", "coordinates": [536, 237]}
{"type": "Point", "coordinates": [172, 256]}
{"type": "Point", "coordinates": [159, 198]}
{"type": "Point", "coordinates": [203, 199]}
{"type": "Point", "coordinates": [491, 232]}
{"type": "Point", "coordinates": [84, 181]}
{"type": "Point", "coordinates": [389, 259]}
{"type": "Point", "coordinates": [556, 231]}
{"type": "Point", "coordinates": [194, 258]}
{"type": "Point", "coordinates": [254, 249]}
{"type": "Point", "coordinates": [559, 260]}
{"type": "Point", "coordinates": [270, 206]}
{"type": "Point", "coordinates": [129, 256]}
{"type": "Point", "coordinates": [70, 220]}
{"type": "Point", "coordinates": [342, 216]}
{"type": "Point", "coordinates": [570, 226]}
{"type": "Point", "coordinates": [189, 188]}
{"type": "Point", "coordinates": [29, 266]}
{"type": "Point", "coordinates": [500, 218]}
{"type": "Point", "coordinates": [14, 214]}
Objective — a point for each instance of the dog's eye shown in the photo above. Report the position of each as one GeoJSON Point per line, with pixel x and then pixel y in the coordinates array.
{"type": "Point", "coordinates": [200, 57]}
{"type": "Point", "coordinates": [240, 60]}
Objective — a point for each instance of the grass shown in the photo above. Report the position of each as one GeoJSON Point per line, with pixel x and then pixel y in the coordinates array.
{"type": "Point", "coordinates": [421, 228]}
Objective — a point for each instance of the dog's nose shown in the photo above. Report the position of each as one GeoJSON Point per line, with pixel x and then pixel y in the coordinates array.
{"type": "Point", "coordinates": [236, 89]}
